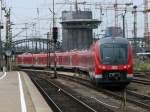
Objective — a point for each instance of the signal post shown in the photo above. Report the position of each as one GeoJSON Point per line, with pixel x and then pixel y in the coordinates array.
{"type": "Point", "coordinates": [55, 37]}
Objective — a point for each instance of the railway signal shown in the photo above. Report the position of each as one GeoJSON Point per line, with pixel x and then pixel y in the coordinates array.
{"type": "Point", "coordinates": [55, 34]}
{"type": "Point", "coordinates": [55, 37]}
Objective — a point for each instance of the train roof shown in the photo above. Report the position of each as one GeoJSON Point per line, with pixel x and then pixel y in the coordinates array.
{"type": "Point", "coordinates": [113, 40]}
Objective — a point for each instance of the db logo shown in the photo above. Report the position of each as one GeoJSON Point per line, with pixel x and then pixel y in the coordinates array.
{"type": "Point", "coordinates": [114, 67]}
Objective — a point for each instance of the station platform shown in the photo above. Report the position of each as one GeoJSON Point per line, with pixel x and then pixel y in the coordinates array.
{"type": "Point", "coordinates": [18, 94]}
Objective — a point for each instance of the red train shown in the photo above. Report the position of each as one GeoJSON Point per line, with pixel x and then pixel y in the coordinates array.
{"type": "Point", "coordinates": [109, 61]}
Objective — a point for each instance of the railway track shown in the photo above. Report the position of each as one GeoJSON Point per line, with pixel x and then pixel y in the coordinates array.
{"type": "Point", "coordinates": [142, 74]}
{"type": "Point", "coordinates": [141, 81]}
{"type": "Point", "coordinates": [141, 98]}
{"type": "Point", "coordinates": [132, 97]}
{"type": "Point", "coordinates": [59, 99]}
{"type": "Point", "coordinates": [142, 71]}
{"type": "Point", "coordinates": [142, 77]}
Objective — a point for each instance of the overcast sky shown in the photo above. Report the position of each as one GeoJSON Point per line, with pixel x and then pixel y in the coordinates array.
{"type": "Point", "coordinates": [38, 11]}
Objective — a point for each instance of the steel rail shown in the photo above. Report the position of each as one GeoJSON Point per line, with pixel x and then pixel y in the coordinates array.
{"type": "Point", "coordinates": [110, 93]}
{"type": "Point", "coordinates": [71, 96]}
{"type": "Point", "coordinates": [138, 95]}
{"type": "Point", "coordinates": [141, 81]}
{"type": "Point", "coordinates": [87, 83]}
{"type": "Point", "coordinates": [54, 105]}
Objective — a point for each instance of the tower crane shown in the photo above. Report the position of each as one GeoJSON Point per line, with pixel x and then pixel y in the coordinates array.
{"type": "Point", "coordinates": [116, 7]}
{"type": "Point", "coordinates": [146, 30]}
{"type": "Point", "coordinates": [74, 3]}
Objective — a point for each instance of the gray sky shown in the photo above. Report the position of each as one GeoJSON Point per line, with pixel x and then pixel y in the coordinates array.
{"type": "Point", "coordinates": [37, 11]}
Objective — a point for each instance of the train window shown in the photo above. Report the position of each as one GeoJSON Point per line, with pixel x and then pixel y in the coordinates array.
{"type": "Point", "coordinates": [114, 53]}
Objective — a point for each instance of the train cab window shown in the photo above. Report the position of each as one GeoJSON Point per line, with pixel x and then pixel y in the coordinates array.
{"type": "Point", "coordinates": [114, 53]}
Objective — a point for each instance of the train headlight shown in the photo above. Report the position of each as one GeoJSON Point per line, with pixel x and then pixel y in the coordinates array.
{"type": "Point", "coordinates": [104, 67]}
{"type": "Point", "coordinates": [125, 67]}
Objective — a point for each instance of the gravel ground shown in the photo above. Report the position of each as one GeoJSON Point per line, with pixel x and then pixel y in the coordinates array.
{"type": "Point", "coordinates": [107, 101]}
{"type": "Point", "coordinates": [140, 88]}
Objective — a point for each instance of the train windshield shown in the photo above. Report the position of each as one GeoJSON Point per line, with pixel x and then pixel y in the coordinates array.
{"type": "Point", "coordinates": [114, 54]}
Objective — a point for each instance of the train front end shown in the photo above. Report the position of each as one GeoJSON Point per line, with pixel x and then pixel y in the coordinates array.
{"type": "Point", "coordinates": [114, 61]}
